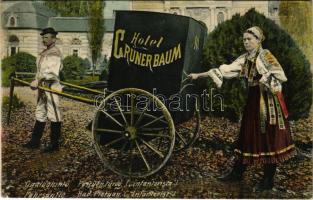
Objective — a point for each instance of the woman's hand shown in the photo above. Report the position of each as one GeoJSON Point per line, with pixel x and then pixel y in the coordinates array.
{"type": "Point", "coordinates": [34, 85]}
{"type": "Point", "coordinates": [193, 76]}
{"type": "Point", "coordinates": [265, 78]}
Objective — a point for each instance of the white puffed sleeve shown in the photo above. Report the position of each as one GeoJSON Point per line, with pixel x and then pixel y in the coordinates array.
{"type": "Point", "coordinates": [227, 71]}
{"type": "Point", "coordinates": [51, 68]}
{"type": "Point", "coordinates": [272, 73]}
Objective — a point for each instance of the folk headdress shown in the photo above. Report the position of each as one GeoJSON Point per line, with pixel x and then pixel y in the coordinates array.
{"type": "Point", "coordinates": [256, 32]}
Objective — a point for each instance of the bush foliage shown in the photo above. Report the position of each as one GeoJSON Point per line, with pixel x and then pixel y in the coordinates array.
{"type": "Point", "coordinates": [22, 62]}
{"type": "Point", "coordinates": [105, 70]}
{"type": "Point", "coordinates": [16, 102]}
{"type": "Point", "coordinates": [73, 67]}
{"type": "Point", "coordinates": [224, 45]}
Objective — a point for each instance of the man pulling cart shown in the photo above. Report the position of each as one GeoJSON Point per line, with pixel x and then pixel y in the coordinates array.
{"type": "Point", "coordinates": [49, 65]}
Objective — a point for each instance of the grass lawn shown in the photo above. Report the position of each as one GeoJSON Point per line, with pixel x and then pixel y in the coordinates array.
{"type": "Point", "coordinates": [6, 82]}
{"type": "Point", "coordinates": [86, 79]}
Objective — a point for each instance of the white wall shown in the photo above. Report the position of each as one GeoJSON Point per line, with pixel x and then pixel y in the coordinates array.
{"type": "Point", "coordinates": [66, 46]}
{"type": "Point", "coordinates": [107, 44]}
{"type": "Point", "coordinates": [29, 41]}
{"type": "Point", "coordinates": [207, 11]}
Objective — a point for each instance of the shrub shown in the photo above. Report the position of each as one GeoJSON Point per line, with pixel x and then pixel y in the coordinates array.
{"type": "Point", "coordinates": [86, 79]}
{"type": "Point", "coordinates": [224, 45]}
{"type": "Point", "coordinates": [87, 64]}
{"type": "Point", "coordinates": [104, 75]}
{"type": "Point", "coordinates": [16, 102]}
{"type": "Point", "coordinates": [23, 62]}
{"type": "Point", "coordinates": [105, 69]}
{"type": "Point", "coordinates": [73, 67]}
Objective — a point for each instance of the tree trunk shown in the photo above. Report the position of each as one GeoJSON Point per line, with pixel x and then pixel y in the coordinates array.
{"type": "Point", "coordinates": [93, 70]}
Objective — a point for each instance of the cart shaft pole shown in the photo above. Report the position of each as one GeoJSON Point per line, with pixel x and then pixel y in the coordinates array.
{"type": "Point", "coordinates": [11, 99]}
{"type": "Point", "coordinates": [64, 83]}
{"type": "Point", "coordinates": [77, 98]}
{"type": "Point", "coordinates": [81, 87]}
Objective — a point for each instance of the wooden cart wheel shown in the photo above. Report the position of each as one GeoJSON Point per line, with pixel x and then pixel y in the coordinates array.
{"type": "Point", "coordinates": [188, 132]}
{"type": "Point", "coordinates": [133, 133]}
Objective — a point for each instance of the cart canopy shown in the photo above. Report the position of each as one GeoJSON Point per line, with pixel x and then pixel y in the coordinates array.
{"type": "Point", "coordinates": [154, 51]}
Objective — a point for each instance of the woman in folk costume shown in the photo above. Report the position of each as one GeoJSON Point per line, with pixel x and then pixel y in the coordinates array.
{"type": "Point", "coordinates": [264, 136]}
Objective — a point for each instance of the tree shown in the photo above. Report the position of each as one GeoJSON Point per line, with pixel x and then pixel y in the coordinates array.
{"type": "Point", "coordinates": [69, 8]}
{"type": "Point", "coordinates": [224, 45]}
{"type": "Point", "coordinates": [96, 31]}
{"type": "Point", "coordinates": [299, 13]}
{"type": "Point", "coordinates": [104, 62]}
{"type": "Point", "coordinates": [87, 64]}
{"type": "Point", "coordinates": [73, 67]}
{"type": "Point", "coordinates": [94, 11]}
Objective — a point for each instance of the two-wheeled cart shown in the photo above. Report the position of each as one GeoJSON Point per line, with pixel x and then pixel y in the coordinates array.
{"type": "Point", "coordinates": [150, 107]}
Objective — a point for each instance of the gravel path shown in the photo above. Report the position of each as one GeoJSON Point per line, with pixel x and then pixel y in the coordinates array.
{"type": "Point", "coordinates": [76, 170]}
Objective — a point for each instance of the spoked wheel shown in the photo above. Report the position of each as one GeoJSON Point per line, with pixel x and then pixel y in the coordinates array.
{"type": "Point", "coordinates": [187, 133]}
{"type": "Point", "coordinates": [133, 133]}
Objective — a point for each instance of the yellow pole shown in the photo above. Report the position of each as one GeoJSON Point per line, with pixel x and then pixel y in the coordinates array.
{"type": "Point", "coordinates": [64, 83]}
{"type": "Point", "coordinates": [80, 99]}
{"type": "Point", "coordinates": [81, 87]}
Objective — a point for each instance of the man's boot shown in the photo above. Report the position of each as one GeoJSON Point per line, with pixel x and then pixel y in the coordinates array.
{"type": "Point", "coordinates": [267, 183]}
{"type": "Point", "coordinates": [36, 135]}
{"type": "Point", "coordinates": [54, 137]}
{"type": "Point", "coordinates": [236, 174]}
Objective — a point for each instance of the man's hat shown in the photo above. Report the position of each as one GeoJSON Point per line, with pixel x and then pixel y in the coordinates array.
{"type": "Point", "coordinates": [48, 30]}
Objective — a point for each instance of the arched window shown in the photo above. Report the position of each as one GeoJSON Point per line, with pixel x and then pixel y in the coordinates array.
{"type": "Point", "coordinates": [13, 45]}
{"type": "Point", "coordinates": [220, 17]}
{"type": "Point", "coordinates": [75, 49]}
{"type": "Point", "coordinates": [175, 11]}
{"type": "Point", "coordinates": [76, 41]}
{"type": "Point", "coordinates": [75, 52]}
{"type": "Point", "coordinates": [13, 38]}
{"type": "Point", "coordinates": [12, 21]}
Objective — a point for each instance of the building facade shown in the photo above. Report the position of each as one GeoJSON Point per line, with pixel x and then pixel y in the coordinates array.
{"type": "Point", "coordinates": [22, 22]}
{"type": "Point", "coordinates": [210, 12]}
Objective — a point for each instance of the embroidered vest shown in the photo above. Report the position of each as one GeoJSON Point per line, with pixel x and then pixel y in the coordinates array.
{"type": "Point", "coordinates": [272, 105]}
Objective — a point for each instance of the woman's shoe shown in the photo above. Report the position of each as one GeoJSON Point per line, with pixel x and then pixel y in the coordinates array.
{"type": "Point", "coordinates": [267, 183]}
{"type": "Point", "coordinates": [236, 174]}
